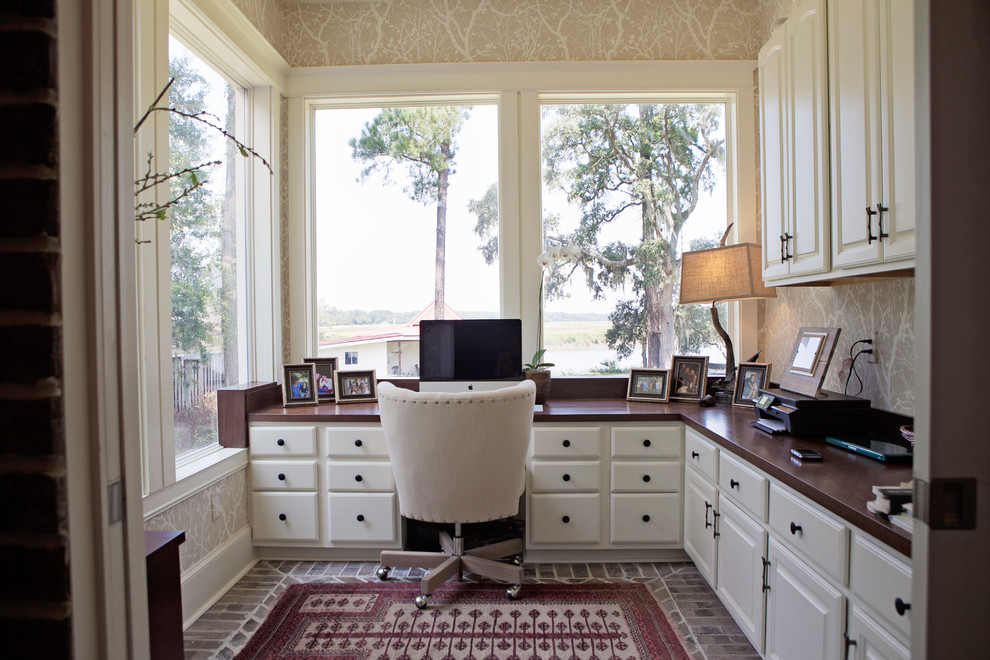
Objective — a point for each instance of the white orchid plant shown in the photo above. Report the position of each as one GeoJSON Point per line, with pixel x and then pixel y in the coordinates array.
{"type": "Point", "coordinates": [556, 254]}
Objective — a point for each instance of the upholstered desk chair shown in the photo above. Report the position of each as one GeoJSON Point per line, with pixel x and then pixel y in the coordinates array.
{"type": "Point", "coordinates": [458, 458]}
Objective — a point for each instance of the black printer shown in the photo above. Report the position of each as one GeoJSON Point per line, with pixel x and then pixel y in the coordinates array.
{"type": "Point", "coordinates": [781, 411]}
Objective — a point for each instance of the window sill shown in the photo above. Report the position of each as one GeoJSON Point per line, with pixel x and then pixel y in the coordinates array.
{"type": "Point", "coordinates": [195, 476]}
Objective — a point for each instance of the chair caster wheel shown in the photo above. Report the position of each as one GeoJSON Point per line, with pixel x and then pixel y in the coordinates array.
{"type": "Point", "coordinates": [421, 602]}
{"type": "Point", "coordinates": [517, 560]}
{"type": "Point", "coordinates": [512, 593]}
{"type": "Point", "coordinates": [382, 573]}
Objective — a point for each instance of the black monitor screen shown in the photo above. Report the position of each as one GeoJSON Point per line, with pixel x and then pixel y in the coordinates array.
{"type": "Point", "coordinates": [474, 349]}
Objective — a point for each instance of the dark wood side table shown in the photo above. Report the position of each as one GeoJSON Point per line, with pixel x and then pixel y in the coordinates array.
{"type": "Point", "coordinates": [161, 554]}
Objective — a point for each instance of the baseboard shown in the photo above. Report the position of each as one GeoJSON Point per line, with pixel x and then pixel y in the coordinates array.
{"type": "Point", "coordinates": [212, 576]}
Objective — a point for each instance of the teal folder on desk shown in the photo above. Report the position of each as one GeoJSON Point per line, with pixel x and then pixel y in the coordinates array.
{"type": "Point", "coordinates": [872, 445]}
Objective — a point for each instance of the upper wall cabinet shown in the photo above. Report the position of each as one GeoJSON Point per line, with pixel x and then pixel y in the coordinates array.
{"type": "Point", "coordinates": [871, 88]}
{"type": "Point", "coordinates": [837, 141]}
{"type": "Point", "coordinates": [794, 130]}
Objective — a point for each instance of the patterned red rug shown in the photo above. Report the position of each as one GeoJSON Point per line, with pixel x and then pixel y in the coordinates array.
{"type": "Point", "coordinates": [466, 621]}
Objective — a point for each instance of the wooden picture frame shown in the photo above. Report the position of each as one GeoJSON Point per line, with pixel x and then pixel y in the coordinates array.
{"type": "Point", "coordinates": [751, 377]}
{"type": "Point", "coordinates": [688, 377]}
{"type": "Point", "coordinates": [299, 385]}
{"type": "Point", "coordinates": [810, 357]}
{"type": "Point", "coordinates": [355, 386]}
{"type": "Point", "coordinates": [649, 385]}
{"type": "Point", "coordinates": [325, 366]}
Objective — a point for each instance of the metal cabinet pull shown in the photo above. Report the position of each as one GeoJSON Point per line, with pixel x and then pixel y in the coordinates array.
{"type": "Point", "coordinates": [849, 642]}
{"type": "Point", "coordinates": [281, 476]}
{"type": "Point", "coordinates": [881, 209]}
{"type": "Point", "coordinates": [715, 515]}
{"type": "Point", "coordinates": [360, 517]}
{"type": "Point", "coordinates": [567, 477]}
{"type": "Point", "coordinates": [795, 529]}
{"type": "Point", "coordinates": [869, 226]}
{"type": "Point", "coordinates": [646, 518]}
{"type": "Point", "coordinates": [901, 606]}
{"type": "Point", "coordinates": [695, 454]}
{"type": "Point", "coordinates": [766, 574]}
{"type": "Point", "coordinates": [282, 517]}
{"type": "Point", "coordinates": [733, 483]}
{"type": "Point", "coordinates": [707, 509]}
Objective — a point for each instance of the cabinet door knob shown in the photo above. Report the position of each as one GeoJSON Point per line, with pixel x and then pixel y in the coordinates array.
{"type": "Point", "coordinates": [646, 518]}
{"type": "Point", "coordinates": [646, 478]}
{"type": "Point", "coordinates": [795, 528]}
{"type": "Point", "coordinates": [282, 516]}
{"type": "Point", "coordinates": [901, 606]}
{"type": "Point", "coordinates": [695, 454]}
{"type": "Point", "coordinates": [646, 443]}
{"type": "Point", "coordinates": [280, 442]}
{"type": "Point", "coordinates": [565, 519]}
{"type": "Point", "coordinates": [360, 517]}
{"type": "Point", "coordinates": [733, 483]}
{"type": "Point", "coordinates": [281, 476]}
{"type": "Point", "coordinates": [358, 443]}
{"type": "Point", "coordinates": [567, 477]}
{"type": "Point", "coordinates": [358, 478]}
{"type": "Point", "coordinates": [566, 443]}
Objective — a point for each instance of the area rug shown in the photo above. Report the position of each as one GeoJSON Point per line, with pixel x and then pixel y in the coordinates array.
{"type": "Point", "coordinates": [466, 621]}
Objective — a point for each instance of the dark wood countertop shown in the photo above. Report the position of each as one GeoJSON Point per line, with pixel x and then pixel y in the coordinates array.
{"type": "Point", "coordinates": [841, 483]}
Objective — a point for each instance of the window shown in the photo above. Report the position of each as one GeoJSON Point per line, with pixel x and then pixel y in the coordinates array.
{"type": "Point", "coordinates": [626, 188]}
{"type": "Point", "coordinates": [406, 223]}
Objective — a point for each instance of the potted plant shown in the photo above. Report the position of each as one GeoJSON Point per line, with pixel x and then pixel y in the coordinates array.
{"type": "Point", "coordinates": [538, 372]}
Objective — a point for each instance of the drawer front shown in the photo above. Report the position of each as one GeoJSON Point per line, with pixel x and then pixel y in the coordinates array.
{"type": "Point", "coordinates": [646, 476]}
{"type": "Point", "coordinates": [283, 440]}
{"type": "Point", "coordinates": [743, 484]}
{"type": "Point", "coordinates": [804, 527]}
{"type": "Point", "coordinates": [360, 517]}
{"type": "Point", "coordinates": [359, 476]}
{"type": "Point", "coordinates": [646, 518]}
{"type": "Point", "coordinates": [564, 476]}
{"type": "Point", "coordinates": [701, 453]}
{"type": "Point", "coordinates": [284, 517]}
{"type": "Point", "coordinates": [356, 442]}
{"type": "Point", "coordinates": [879, 579]}
{"type": "Point", "coordinates": [661, 441]}
{"type": "Point", "coordinates": [565, 518]}
{"type": "Point", "coordinates": [573, 442]}
{"type": "Point", "coordinates": [283, 475]}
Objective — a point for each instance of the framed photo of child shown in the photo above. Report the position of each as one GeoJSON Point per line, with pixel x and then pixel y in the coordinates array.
{"type": "Point", "coordinates": [299, 385]}
{"type": "Point", "coordinates": [751, 377]}
{"type": "Point", "coordinates": [324, 377]}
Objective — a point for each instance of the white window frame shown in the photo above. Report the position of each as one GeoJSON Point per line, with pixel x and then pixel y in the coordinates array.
{"type": "Point", "coordinates": [164, 481]}
{"type": "Point", "coordinates": [519, 89]}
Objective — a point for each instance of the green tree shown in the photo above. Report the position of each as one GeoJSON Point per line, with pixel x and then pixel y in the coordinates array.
{"type": "Point", "coordinates": [424, 141]}
{"type": "Point", "coordinates": [646, 163]}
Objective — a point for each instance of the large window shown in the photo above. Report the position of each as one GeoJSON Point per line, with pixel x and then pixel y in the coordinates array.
{"type": "Point", "coordinates": [626, 188]}
{"type": "Point", "coordinates": [406, 224]}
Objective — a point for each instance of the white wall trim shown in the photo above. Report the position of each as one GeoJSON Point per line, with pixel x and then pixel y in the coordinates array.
{"type": "Point", "coordinates": [211, 469]}
{"type": "Point", "coordinates": [213, 575]}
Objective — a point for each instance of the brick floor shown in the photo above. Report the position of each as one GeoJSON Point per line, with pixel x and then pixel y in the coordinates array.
{"type": "Point", "coordinates": [691, 606]}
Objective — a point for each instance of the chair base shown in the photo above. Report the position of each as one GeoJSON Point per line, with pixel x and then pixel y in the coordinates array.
{"type": "Point", "coordinates": [454, 559]}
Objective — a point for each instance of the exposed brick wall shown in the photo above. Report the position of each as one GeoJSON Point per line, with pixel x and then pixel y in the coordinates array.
{"type": "Point", "coordinates": [34, 570]}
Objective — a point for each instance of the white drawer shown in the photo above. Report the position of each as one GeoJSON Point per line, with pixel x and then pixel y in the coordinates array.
{"type": "Point", "coordinates": [880, 579]}
{"type": "Point", "coordinates": [805, 527]}
{"type": "Point", "coordinates": [284, 517]}
{"type": "Point", "coordinates": [646, 476]}
{"type": "Point", "coordinates": [362, 517]}
{"type": "Point", "coordinates": [360, 476]}
{"type": "Point", "coordinates": [283, 440]}
{"type": "Point", "coordinates": [572, 442]}
{"type": "Point", "coordinates": [565, 518]}
{"type": "Point", "coordinates": [564, 476]}
{"type": "Point", "coordinates": [661, 441]}
{"type": "Point", "coordinates": [283, 475]}
{"type": "Point", "coordinates": [646, 518]}
{"type": "Point", "coordinates": [743, 484]}
{"type": "Point", "coordinates": [701, 454]}
{"type": "Point", "coordinates": [356, 442]}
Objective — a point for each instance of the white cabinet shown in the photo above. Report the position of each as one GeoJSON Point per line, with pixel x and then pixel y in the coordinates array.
{"type": "Point", "coordinates": [871, 89]}
{"type": "Point", "coordinates": [360, 503]}
{"type": "Point", "coordinates": [805, 613]}
{"type": "Point", "coordinates": [868, 640]}
{"type": "Point", "coordinates": [741, 547]}
{"type": "Point", "coordinates": [794, 146]}
{"type": "Point", "coordinates": [882, 582]}
{"type": "Point", "coordinates": [700, 505]}
{"type": "Point", "coordinates": [284, 483]}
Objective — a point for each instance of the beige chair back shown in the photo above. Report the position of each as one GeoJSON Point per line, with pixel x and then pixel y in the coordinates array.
{"type": "Point", "coordinates": [458, 457]}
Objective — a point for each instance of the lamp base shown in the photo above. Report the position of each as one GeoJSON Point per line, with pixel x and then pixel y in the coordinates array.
{"type": "Point", "coordinates": [722, 390]}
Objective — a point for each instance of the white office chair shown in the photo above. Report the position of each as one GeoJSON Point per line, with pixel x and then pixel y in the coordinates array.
{"type": "Point", "coordinates": [458, 458]}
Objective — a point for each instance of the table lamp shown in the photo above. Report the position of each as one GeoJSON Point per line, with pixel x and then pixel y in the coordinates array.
{"type": "Point", "coordinates": [724, 273]}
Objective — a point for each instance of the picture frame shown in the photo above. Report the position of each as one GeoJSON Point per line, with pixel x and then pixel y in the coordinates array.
{"type": "Point", "coordinates": [299, 385]}
{"type": "Point", "coordinates": [750, 378]}
{"type": "Point", "coordinates": [810, 358]}
{"type": "Point", "coordinates": [355, 386]}
{"type": "Point", "coordinates": [688, 377]}
{"type": "Point", "coordinates": [651, 385]}
{"type": "Point", "coordinates": [325, 366]}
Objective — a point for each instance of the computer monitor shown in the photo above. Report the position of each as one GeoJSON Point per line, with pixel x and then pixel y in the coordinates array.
{"type": "Point", "coordinates": [469, 355]}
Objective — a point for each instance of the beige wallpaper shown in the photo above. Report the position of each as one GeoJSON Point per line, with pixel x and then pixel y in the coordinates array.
{"type": "Point", "coordinates": [266, 15]}
{"type": "Point", "coordinates": [194, 515]}
{"type": "Point", "coordinates": [886, 308]}
{"type": "Point", "coordinates": [283, 229]}
{"type": "Point", "coordinates": [430, 31]}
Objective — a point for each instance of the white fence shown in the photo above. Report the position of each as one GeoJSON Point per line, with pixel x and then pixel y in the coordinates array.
{"type": "Point", "coordinates": [193, 378]}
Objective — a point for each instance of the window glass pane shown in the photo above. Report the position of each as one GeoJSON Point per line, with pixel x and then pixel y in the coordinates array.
{"type": "Point", "coordinates": [205, 245]}
{"type": "Point", "coordinates": [406, 216]}
{"type": "Point", "coordinates": [626, 189]}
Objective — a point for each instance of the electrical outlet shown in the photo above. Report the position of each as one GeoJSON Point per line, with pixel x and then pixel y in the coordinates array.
{"type": "Point", "coordinates": [215, 504]}
{"type": "Point", "coordinates": [874, 358]}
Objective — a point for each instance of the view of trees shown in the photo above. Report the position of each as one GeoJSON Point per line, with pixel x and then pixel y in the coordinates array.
{"type": "Point", "coordinates": [647, 164]}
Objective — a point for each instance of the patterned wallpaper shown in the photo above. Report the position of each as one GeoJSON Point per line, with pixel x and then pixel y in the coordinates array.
{"type": "Point", "coordinates": [195, 515]}
{"type": "Point", "coordinates": [266, 15]}
{"type": "Point", "coordinates": [283, 229]}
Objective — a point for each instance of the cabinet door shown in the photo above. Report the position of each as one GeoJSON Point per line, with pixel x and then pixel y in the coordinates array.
{"type": "Point", "coordinates": [773, 156]}
{"type": "Point", "coordinates": [807, 110]}
{"type": "Point", "coordinates": [868, 640]}
{"type": "Point", "coordinates": [804, 612]}
{"type": "Point", "coordinates": [741, 547]}
{"type": "Point", "coordinates": [854, 94]}
{"type": "Point", "coordinates": [700, 500]}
